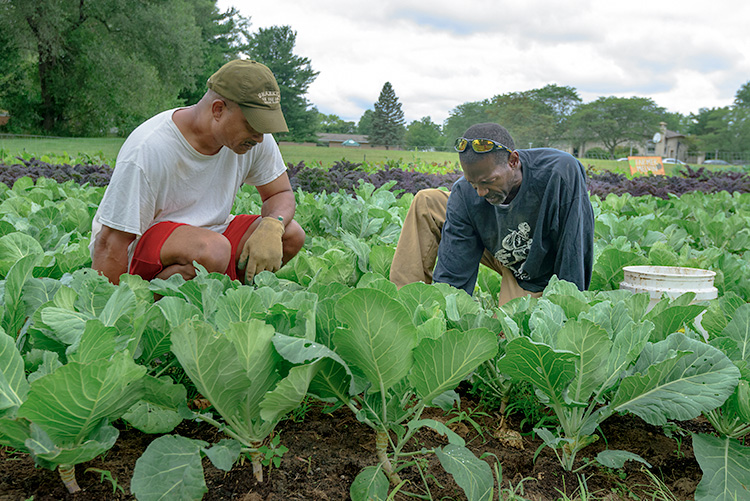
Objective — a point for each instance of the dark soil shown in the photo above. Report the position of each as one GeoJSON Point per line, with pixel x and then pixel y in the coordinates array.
{"type": "Point", "coordinates": [327, 451]}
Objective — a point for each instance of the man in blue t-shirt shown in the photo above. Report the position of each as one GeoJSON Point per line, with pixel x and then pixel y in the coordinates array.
{"type": "Point", "coordinates": [524, 213]}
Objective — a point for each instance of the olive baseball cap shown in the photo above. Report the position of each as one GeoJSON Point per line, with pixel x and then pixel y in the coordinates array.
{"type": "Point", "coordinates": [253, 87]}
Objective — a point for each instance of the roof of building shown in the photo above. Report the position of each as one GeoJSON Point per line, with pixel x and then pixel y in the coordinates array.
{"type": "Point", "coordinates": [340, 138]}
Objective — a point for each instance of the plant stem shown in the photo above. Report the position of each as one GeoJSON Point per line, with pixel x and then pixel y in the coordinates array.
{"type": "Point", "coordinates": [68, 476]}
{"type": "Point", "coordinates": [381, 448]}
{"type": "Point", "coordinates": [256, 458]}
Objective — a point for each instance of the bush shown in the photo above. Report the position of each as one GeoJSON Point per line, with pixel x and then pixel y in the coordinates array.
{"type": "Point", "coordinates": [597, 153]}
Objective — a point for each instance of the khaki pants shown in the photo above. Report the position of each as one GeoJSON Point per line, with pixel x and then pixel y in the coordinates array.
{"type": "Point", "coordinates": [417, 248]}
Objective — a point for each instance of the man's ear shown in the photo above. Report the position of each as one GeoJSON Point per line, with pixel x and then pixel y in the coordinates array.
{"type": "Point", "coordinates": [514, 161]}
{"type": "Point", "coordinates": [218, 107]}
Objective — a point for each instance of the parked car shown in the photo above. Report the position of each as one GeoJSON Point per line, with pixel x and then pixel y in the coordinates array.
{"type": "Point", "coordinates": [716, 161]}
{"type": "Point", "coordinates": [671, 160]}
{"type": "Point", "coordinates": [623, 159]}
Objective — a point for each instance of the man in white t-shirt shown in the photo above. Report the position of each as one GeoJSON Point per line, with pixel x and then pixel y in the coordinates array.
{"type": "Point", "coordinates": [169, 200]}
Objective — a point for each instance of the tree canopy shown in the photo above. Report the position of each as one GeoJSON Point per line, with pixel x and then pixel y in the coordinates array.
{"type": "Point", "coordinates": [538, 117]}
{"type": "Point", "coordinates": [88, 67]}
{"type": "Point", "coordinates": [423, 134]}
{"type": "Point", "coordinates": [616, 120]}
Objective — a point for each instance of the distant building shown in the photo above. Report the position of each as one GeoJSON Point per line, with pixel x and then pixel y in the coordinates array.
{"type": "Point", "coordinates": [344, 140]}
{"type": "Point", "coordinates": [671, 144]}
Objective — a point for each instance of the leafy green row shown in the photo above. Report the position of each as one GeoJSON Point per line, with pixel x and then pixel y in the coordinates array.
{"type": "Point", "coordinates": [331, 325]}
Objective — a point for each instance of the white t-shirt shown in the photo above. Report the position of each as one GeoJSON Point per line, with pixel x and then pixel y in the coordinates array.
{"type": "Point", "coordinates": [160, 177]}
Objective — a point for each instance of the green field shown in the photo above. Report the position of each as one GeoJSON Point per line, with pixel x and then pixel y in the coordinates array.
{"type": "Point", "coordinates": [426, 161]}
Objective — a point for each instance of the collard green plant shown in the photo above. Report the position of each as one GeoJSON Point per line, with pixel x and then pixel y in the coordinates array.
{"type": "Point", "coordinates": [250, 353]}
{"type": "Point", "coordinates": [396, 358]}
{"type": "Point", "coordinates": [725, 462]}
{"type": "Point", "coordinates": [592, 355]}
{"type": "Point", "coordinates": [62, 415]}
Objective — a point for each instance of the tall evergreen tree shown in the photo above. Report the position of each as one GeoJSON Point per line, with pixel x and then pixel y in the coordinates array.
{"type": "Point", "coordinates": [274, 47]}
{"type": "Point", "coordinates": [388, 119]}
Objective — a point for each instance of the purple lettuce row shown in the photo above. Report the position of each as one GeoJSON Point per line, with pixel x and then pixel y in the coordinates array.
{"type": "Point", "coordinates": [662, 186]}
{"type": "Point", "coordinates": [95, 175]}
{"type": "Point", "coordinates": [346, 175]}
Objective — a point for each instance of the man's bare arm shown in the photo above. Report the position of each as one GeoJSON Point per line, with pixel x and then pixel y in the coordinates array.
{"type": "Point", "coordinates": [278, 199]}
{"type": "Point", "coordinates": [111, 253]}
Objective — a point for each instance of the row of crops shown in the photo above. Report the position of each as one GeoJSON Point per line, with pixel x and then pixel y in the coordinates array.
{"type": "Point", "coordinates": [78, 353]}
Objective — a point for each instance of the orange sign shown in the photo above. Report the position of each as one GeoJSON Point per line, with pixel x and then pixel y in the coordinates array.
{"type": "Point", "coordinates": [646, 165]}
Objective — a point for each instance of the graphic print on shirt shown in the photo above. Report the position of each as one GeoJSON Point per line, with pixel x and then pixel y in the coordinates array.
{"type": "Point", "coordinates": [515, 250]}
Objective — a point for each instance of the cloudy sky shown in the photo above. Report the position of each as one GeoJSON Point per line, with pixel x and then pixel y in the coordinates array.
{"type": "Point", "coordinates": [438, 54]}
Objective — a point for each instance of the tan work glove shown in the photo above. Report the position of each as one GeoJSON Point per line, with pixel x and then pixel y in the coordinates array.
{"type": "Point", "coordinates": [263, 250]}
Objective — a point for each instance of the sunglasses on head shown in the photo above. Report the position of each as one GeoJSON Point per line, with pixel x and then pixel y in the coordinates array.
{"type": "Point", "coordinates": [479, 145]}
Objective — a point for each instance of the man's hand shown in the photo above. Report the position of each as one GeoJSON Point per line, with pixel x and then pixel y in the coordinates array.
{"type": "Point", "coordinates": [263, 250]}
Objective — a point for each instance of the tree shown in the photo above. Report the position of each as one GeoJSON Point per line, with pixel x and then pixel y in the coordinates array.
{"type": "Point", "coordinates": [274, 47]}
{"type": "Point", "coordinates": [561, 103]}
{"type": "Point", "coordinates": [85, 67]}
{"type": "Point", "coordinates": [388, 119]}
{"type": "Point", "coordinates": [222, 35]}
{"type": "Point", "coordinates": [462, 117]}
{"type": "Point", "coordinates": [616, 120]}
{"type": "Point", "coordinates": [364, 126]}
{"type": "Point", "coordinates": [334, 124]}
{"type": "Point", "coordinates": [722, 131]}
{"type": "Point", "coordinates": [742, 97]}
{"type": "Point", "coordinates": [537, 117]}
{"type": "Point", "coordinates": [530, 121]}
{"type": "Point", "coordinates": [423, 134]}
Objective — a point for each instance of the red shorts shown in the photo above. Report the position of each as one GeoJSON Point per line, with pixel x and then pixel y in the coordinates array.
{"type": "Point", "coordinates": [146, 260]}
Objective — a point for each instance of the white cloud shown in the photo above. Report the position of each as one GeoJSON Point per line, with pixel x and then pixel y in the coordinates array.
{"type": "Point", "coordinates": [440, 54]}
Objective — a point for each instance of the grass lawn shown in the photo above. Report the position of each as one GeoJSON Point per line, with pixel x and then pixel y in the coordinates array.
{"type": "Point", "coordinates": [106, 147]}
{"type": "Point", "coordinates": [425, 161]}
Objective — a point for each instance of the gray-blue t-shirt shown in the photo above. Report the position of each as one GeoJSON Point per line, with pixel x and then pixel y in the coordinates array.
{"type": "Point", "coordinates": [548, 228]}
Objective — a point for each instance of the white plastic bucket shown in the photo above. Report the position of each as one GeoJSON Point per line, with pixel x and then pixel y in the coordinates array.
{"type": "Point", "coordinates": [672, 280]}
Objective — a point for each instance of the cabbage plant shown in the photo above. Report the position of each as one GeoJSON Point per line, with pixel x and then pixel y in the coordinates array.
{"type": "Point", "coordinates": [398, 357]}
{"type": "Point", "coordinates": [724, 461]}
{"type": "Point", "coordinates": [229, 340]}
{"type": "Point", "coordinates": [592, 355]}
{"type": "Point", "coordinates": [61, 414]}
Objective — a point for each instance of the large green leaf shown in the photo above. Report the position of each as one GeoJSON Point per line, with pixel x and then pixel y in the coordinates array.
{"type": "Point", "coordinates": [15, 312]}
{"type": "Point", "coordinates": [121, 303]}
{"type": "Point", "coordinates": [440, 364]}
{"type": "Point", "coordinates": [96, 342]}
{"type": "Point", "coordinates": [232, 370]}
{"type": "Point", "coordinates": [592, 346]}
{"type": "Point", "coordinates": [628, 344]}
{"type": "Point", "coordinates": [678, 378]}
{"type": "Point", "coordinates": [370, 484]}
{"type": "Point", "coordinates": [239, 305]}
{"type": "Point", "coordinates": [67, 325]}
{"type": "Point", "coordinates": [13, 384]}
{"type": "Point", "coordinates": [726, 468]}
{"type": "Point", "coordinates": [44, 448]}
{"type": "Point", "coordinates": [473, 475]}
{"type": "Point", "coordinates": [379, 336]}
{"type": "Point", "coordinates": [69, 403]}
{"type": "Point", "coordinates": [288, 393]}
{"type": "Point", "coordinates": [545, 322]}
{"type": "Point", "coordinates": [15, 246]}
{"type": "Point", "coordinates": [549, 370]}
{"type": "Point", "coordinates": [170, 468]}
{"type": "Point", "coordinates": [672, 318]}
{"type": "Point", "coordinates": [738, 330]}
{"type": "Point", "coordinates": [157, 411]}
